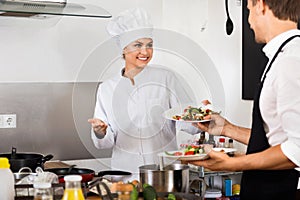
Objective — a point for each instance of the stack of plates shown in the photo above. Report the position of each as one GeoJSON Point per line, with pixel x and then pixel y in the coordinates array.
{"type": "Point", "coordinates": [212, 193]}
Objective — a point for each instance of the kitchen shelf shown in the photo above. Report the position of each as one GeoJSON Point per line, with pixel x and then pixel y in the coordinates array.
{"type": "Point", "coordinates": [30, 8]}
{"type": "Point", "coordinates": [213, 173]}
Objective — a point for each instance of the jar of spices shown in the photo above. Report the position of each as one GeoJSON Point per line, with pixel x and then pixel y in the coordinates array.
{"type": "Point", "coordinates": [221, 142]}
{"type": "Point", "coordinates": [230, 145]}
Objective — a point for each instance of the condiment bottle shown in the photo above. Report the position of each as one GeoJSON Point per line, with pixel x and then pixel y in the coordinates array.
{"type": "Point", "coordinates": [202, 138]}
{"type": "Point", "coordinates": [230, 145]}
{"type": "Point", "coordinates": [42, 191]}
{"type": "Point", "coordinates": [221, 142]}
{"type": "Point", "coordinates": [7, 180]}
{"type": "Point", "coordinates": [211, 140]}
{"type": "Point", "coordinates": [73, 189]}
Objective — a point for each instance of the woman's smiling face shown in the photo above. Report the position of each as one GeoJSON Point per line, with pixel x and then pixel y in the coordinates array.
{"type": "Point", "coordinates": [138, 53]}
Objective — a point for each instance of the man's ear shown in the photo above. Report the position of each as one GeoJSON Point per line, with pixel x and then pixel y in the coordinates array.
{"type": "Point", "coordinates": [260, 7]}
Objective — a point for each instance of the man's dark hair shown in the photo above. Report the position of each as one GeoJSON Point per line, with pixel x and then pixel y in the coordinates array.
{"type": "Point", "coordinates": [284, 9]}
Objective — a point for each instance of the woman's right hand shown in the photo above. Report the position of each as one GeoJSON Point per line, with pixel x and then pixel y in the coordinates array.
{"type": "Point", "coordinates": [98, 126]}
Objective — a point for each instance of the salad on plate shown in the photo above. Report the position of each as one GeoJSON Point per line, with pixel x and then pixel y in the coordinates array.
{"type": "Point", "coordinates": [190, 113]}
{"type": "Point", "coordinates": [194, 152]}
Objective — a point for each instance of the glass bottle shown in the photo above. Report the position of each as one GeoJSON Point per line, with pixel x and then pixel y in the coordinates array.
{"type": "Point", "coordinates": [202, 139]}
{"type": "Point", "coordinates": [230, 145]}
{"type": "Point", "coordinates": [42, 191]}
{"type": "Point", "coordinates": [221, 142]}
{"type": "Point", "coordinates": [211, 140]}
{"type": "Point", "coordinates": [73, 189]}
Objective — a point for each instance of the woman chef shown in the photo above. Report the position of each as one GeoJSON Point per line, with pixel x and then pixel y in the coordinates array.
{"type": "Point", "coordinates": [129, 109]}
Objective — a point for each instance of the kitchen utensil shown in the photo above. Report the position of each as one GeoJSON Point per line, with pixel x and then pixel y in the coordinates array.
{"type": "Point", "coordinates": [86, 174]}
{"type": "Point", "coordinates": [229, 23]}
{"type": "Point", "coordinates": [115, 175]}
{"type": "Point", "coordinates": [173, 178]}
{"type": "Point", "coordinates": [23, 172]}
{"type": "Point", "coordinates": [31, 160]}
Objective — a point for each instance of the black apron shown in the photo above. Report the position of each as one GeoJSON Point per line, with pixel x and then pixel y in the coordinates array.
{"type": "Point", "coordinates": [266, 184]}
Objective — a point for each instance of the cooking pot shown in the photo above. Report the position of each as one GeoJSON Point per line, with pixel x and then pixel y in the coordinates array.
{"type": "Point", "coordinates": [31, 160]}
{"type": "Point", "coordinates": [172, 178]}
{"type": "Point", "coordinates": [88, 174]}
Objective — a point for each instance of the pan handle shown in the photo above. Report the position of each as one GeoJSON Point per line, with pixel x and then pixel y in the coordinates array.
{"type": "Point", "coordinates": [47, 158]}
{"type": "Point", "coordinates": [25, 168]}
{"type": "Point", "coordinates": [114, 172]}
{"type": "Point", "coordinates": [13, 152]}
{"type": "Point", "coordinates": [70, 169]}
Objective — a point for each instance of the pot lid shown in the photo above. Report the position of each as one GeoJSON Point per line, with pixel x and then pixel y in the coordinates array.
{"type": "Point", "coordinates": [28, 8]}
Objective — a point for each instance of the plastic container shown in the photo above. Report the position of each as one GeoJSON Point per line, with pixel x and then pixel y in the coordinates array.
{"type": "Point", "coordinates": [42, 191]}
{"type": "Point", "coordinates": [73, 189]}
{"type": "Point", "coordinates": [7, 180]}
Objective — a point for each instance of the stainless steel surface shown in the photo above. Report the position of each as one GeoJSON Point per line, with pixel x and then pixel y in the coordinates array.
{"type": "Point", "coordinates": [51, 119]}
{"type": "Point", "coordinates": [50, 7]}
{"type": "Point", "coordinates": [173, 178]}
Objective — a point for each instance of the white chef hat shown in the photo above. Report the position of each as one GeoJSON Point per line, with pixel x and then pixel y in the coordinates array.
{"type": "Point", "coordinates": [129, 26]}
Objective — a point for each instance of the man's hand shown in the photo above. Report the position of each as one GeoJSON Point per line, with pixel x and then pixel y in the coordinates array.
{"type": "Point", "coordinates": [215, 126]}
{"type": "Point", "coordinates": [218, 161]}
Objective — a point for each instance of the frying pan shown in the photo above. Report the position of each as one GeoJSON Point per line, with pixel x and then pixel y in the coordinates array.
{"type": "Point", "coordinates": [88, 174]}
{"type": "Point", "coordinates": [115, 175]}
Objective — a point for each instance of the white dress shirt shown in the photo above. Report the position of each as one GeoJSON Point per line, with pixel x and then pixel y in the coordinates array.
{"type": "Point", "coordinates": [280, 96]}
{"type": "Point", "coordinates": [137, 130]}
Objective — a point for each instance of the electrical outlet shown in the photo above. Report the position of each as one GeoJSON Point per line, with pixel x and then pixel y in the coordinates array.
{"type": "Point", "coordinates": [8, 121]}
{"type": "Point", "coordinates": [1, 121]}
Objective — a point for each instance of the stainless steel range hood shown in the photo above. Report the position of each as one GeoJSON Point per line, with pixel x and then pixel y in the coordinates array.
{"type": "Point", "coordinates": [27, 8]}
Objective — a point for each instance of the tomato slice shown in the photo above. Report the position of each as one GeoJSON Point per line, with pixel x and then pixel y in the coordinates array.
{"type": "Point", "coordinates": [178, 153]}
{"type": "Point", "coordinates": [189, 153]}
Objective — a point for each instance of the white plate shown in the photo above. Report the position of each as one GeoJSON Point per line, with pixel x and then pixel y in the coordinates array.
{"type": "Point", "coordinates": [201, 156]}
{"type": "Point", "coordinates": [178, 111]}
{"type": "Point", "coordinates": [226, 150]}
{"type": "Point", "coordinates": [183, 157]}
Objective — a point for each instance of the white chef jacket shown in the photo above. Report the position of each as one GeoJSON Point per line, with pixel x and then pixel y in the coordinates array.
{"type": "Point", "coordinates": [137, 130]}
{"type": "Point", "coordinates": [280, 98]}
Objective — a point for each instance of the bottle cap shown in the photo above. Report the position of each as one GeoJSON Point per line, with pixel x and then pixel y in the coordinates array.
{"type": "Point", "coordinates": [4, 163]}
{"type": "Point", "coordinates": [73, 178]}
{"type": "Point", "coordinates": [42, 185]}
{"type": "Point", "coordinates": [222, 140]}
{"type": "Point", "coordinates": [230, 140]}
